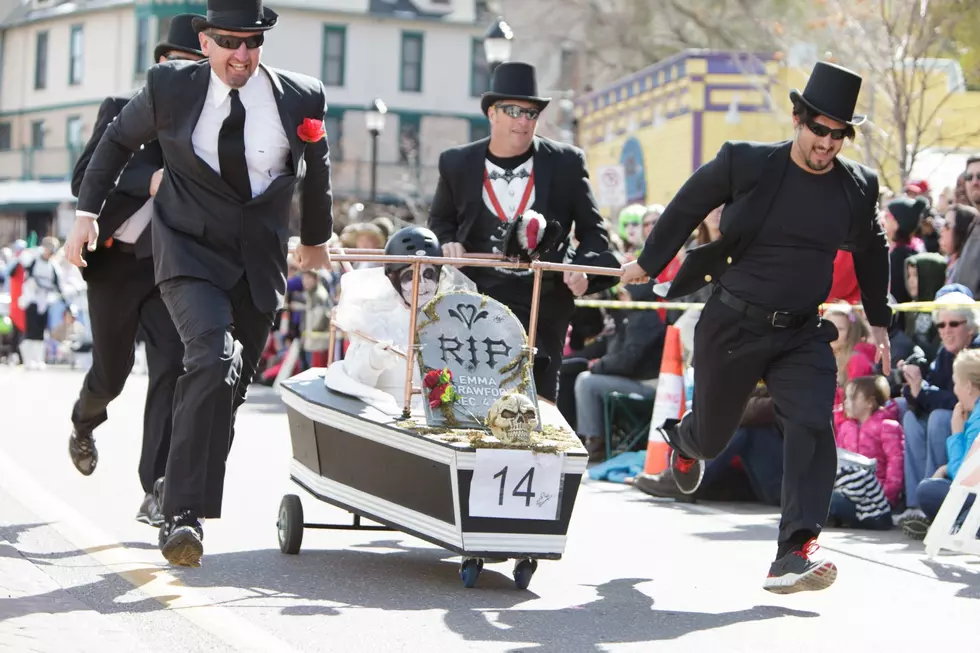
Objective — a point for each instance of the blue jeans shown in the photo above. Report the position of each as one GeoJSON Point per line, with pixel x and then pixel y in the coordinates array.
{"type": "Point", "coordinates": [761, 450]}
{"type": "Point", "coordinates": [844, 510]}
{"type": "Point", "coordinates": [932, 492]}
{"type": "Point", "coordinates": [925, 448]}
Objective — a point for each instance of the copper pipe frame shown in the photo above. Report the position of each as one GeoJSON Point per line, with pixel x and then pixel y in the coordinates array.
{"type": "Point", "coordinates": [469, 260]}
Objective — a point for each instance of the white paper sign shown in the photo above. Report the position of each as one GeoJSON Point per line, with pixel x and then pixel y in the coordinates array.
{"type": "Point", "coordinates": [610, 186]}
{"type": "Point", "coordinates": [511, 484]}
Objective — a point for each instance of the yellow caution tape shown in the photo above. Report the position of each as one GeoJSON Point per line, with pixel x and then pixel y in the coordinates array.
{"type": "Point", "coordinates": [908, 307]}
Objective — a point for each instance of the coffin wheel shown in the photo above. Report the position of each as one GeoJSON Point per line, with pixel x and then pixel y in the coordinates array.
{"type": "Point", "coordinates": [469, 571]}
{"type": "Point", "coordinates": [290, 524]}
{"type": "Point", "coordinates": [523, 571]}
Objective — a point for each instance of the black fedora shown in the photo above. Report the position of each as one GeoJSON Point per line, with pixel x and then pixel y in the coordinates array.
{"type": "Point", "coordinates": [513, 80]}
{"type": "Point", "coordinates": [237, 16]}
{"type": "Point", "coordinates": [832, 91]}
{"type": "Point", "coordinates": [180, 37]}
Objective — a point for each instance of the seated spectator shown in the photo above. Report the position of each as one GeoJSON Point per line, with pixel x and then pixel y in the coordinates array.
{"type": "Point", "coordinates": [855, 356]}
{"type": "Point", "coordinates": [931, 492]}
{"type": "Point", "coordinates": [929, 394]}
{"type": "Point", "coordinates": [871, 430]}
{"type": "Point", "coordinates": [749, 469]}
{"type": "Point", "coordinates": [901, 225]}
{"type": "Point", "coordinates": [925, 275]}
{"type": "Point", "coordinates": [630, 363]}
{"type": "Point", "coordinates": [953, 235]}
{"type": "Point", "coordinates": [586, 341]}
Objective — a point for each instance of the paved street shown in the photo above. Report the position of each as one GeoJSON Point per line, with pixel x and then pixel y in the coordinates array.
{"type": "Point", "coordinates": [78, 573]}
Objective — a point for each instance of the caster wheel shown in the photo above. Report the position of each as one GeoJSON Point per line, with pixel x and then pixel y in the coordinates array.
{"type": "Point", "coordinates": [290, 524]}
{"type": "Point", "coordinates": [469, 571]}
{"type": "Point", "coordinates": [523, 571]}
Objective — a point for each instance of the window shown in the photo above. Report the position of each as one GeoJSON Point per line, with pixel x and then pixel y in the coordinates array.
{"type": "Point", "coordinates": [411, 77]}
{"type": "Point", "coordinates": [409, 128]}
{"type": "Point", "coordinates": [479, 129]}
{"type": "Point", "coordinates": [163, 28]}
{"type": "Point", "coordinates": [479, 72]}
{"type": "Point", "coordinates": [76, 63]}
{"type": "Point", "coordinates": [73, 133]}
{"type": "Point", "coordinates": [334, 52]}
{"type": "Point", "coordinates": [41, 61]}
{"type": "Point", "coordinates": [335, 136]}
{"type": "Point", "coordinates": [142, 45]}
{"type": "Point", "coordinates": [37, 134]}
{"type": "Point", "coordinates": [4, 136]}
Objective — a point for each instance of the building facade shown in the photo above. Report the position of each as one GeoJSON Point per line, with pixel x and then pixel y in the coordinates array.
{"type": "Point", "coordinates": [423, 58]}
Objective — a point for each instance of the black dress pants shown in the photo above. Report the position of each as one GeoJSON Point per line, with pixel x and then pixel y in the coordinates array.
{"type": "Point", "coordinates": [123, 298]}
{"type": "Point", "coordinates": [223, 335]}
{"type": "Point", "coordinates": [732, 352]}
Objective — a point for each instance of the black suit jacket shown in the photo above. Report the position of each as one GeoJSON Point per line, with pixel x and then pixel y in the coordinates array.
{"type": "Point", "coordinates": [131, 190]}
{"type": "Point", "coordinates": [745, 177]}
{"type": "Point", "coordinates": [562, 192]}
{"type": "Point", "coordinates": [201, 228]}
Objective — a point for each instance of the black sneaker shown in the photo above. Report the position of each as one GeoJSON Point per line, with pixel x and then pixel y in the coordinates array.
{"type": "Point", "coordinates": [151, 511]}
{"type": "Point", "coordinates": [801, 570]}
{"type": "Point", "coordinates": [84, 455]}
{"type": "Point", "coordinates": [687, 472]}
{"type": "Point", "coordinates": [182, 540]}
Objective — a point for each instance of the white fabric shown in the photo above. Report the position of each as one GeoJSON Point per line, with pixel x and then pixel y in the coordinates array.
{"type": "Point", "coordinates": [266, 145]}
{"type": "Point", "coordinates": [370, 305]}
{"type": "Point", "coordinates": [130, 230]}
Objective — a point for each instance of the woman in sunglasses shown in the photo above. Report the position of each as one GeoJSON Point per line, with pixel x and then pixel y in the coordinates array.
{"type": "Point", "coordinates": [929, 393]}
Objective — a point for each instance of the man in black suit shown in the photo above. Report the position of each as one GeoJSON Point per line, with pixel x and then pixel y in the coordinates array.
{"type": "Point", "coordinates": [484, 186]}
{"type": "Point", "coordinates": [123, 297]}
{"type": "Point", "coordinates": [236, 136]}
{"type": "Point", "coordinates": [788, 208]}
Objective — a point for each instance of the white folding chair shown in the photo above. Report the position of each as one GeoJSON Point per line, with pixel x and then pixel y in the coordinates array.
{"type": "Point", "coordinates": [964, 539]}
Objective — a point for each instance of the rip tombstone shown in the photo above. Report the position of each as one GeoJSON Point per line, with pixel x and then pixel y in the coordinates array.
{"type": "Point", "coordinates": [485, 347]}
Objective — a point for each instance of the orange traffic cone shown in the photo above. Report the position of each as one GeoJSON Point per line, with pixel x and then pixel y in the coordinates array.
{"type": "Point", "coordinates": [669, 402]}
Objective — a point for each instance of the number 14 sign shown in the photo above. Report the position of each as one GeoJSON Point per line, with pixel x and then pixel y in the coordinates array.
{"type": "Point", "coordinates": [511, 484]}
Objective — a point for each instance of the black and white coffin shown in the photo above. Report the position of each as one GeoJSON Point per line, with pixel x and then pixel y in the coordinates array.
{"type": "Point", "coordinates": [475, 501]}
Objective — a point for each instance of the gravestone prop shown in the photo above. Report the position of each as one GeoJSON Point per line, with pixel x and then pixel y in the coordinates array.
{"type": "Point", "coordinates": [484, 347]}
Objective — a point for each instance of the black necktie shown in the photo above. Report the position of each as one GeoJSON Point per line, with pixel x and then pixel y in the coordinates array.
{"type": "Point", "coordinates": [231, 149]}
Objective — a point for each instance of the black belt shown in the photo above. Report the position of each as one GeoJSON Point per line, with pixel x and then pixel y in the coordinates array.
{"type": "Point", "coordinates": [776, 319]}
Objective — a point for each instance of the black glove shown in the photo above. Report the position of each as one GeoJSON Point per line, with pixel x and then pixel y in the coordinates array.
{"type": "Point", "coordinates": [527, 241]}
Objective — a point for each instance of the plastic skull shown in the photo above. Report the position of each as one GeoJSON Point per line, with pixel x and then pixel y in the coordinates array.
{"type": "Point", "coordinates": [512, 418]}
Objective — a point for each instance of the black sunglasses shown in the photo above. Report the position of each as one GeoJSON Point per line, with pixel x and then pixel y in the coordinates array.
{"type": "Point", "coordinates": [228, 42]}
{"type": "Point", "coordinates": [824, 130]}
{"type": "Point", "coordinates": [516, 112]}
{"type": "Point", "coordinates": [952, 324]}
{"type": "Point", "coordinates": [970, 176]}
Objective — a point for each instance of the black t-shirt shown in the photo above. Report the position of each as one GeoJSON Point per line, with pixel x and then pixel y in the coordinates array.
{"type": "Point", "coordinates": [790, 264]}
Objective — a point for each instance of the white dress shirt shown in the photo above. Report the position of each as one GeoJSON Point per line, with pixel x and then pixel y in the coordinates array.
{"type": "Point", "coordinates": [266, 145]}
{"type": "Point", "coordinates": [509, 191]}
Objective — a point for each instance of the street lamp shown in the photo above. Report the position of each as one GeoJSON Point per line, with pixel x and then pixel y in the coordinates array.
{"type": "Point", "coordinates": [497, 43]}
{"type": "Point", "coordinates": [375, 120]}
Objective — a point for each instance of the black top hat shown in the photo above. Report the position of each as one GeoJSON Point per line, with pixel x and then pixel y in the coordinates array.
{"type": "Point", "coordinates": [237, 16]}
{"type": "Point", "coordinates": [181, 37]}
{"type": "Point", "coordinates": [832, 91]}
{"type": "Point", "coordinates": [513, 80]}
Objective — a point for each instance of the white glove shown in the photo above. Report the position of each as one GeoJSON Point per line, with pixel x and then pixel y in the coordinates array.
{"type": "Point", "coordinates": [382, 357]}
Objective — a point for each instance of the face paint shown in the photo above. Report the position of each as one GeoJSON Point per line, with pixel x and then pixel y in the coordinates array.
{"type": "Point", "coordinates": [427, 286]}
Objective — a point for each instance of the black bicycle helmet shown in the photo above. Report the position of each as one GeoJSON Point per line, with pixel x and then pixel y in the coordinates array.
{"type": "Point", "coordinates": [410, 241]}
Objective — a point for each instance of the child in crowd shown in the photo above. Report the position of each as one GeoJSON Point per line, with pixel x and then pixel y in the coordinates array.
{"type": "Point", "coordinates": [855, 356]}
{"type": "Point", "coordinates": [871, 429]}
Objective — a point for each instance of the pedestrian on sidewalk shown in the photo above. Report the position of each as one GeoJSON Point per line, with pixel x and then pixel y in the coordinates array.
{"type": "Point", "coordinates": [789, 207]}
{"type": "Point", "coordinates": [123, 296]}
{"type": "Point", "coordinates": [237, 138]}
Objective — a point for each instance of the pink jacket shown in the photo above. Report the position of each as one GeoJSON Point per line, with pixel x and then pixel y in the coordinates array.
{"type": "Point", "coordinates": [880, 438]}
{"type": "Point", "coordinates": [861, 363]}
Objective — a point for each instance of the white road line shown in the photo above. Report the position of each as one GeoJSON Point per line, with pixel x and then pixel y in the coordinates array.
{"type": "Point", "coordinates": [142, 568]}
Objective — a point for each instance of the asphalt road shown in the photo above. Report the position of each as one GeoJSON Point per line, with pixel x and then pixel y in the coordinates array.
{"type": "Point", "coordinates": [637, 572]}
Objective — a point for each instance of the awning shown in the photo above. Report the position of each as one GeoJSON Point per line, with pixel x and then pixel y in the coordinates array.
{"type": "Point", "coordinates": [33, 195]}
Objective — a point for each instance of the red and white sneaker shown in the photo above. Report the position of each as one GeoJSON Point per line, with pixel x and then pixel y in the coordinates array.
{"type": "Point", "coordinates": [801, 570]}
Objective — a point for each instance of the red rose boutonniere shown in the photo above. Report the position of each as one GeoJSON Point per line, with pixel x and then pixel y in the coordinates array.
{"type": "Point", "coordinates": [311, 130]}
{"type": "Point", "coordinates": [439, 383]}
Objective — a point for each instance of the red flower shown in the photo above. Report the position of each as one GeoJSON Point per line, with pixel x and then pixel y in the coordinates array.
{"type": "Point", "coordinates": [431, 379]}
{"type": "Point", "coordinates": [311, 130]}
